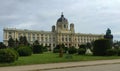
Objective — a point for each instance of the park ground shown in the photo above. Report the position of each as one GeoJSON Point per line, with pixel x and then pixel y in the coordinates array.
{"type": "Point", "coordinates": [49, 57]}
{"type": "Point", "coordinates": [41, 67]}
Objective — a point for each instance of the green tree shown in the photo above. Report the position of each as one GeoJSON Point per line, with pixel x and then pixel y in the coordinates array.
{"type": "Point", "coordinates": [23, 40]}
{"type": "Point", "coordinates": [59, 47]}
{"type": "Point", "coordinates": [116, 44]}
{"type": "Point", "coordinates": [37, 49]}
{"type": "Point", "coordinates": [2, 46]}
{"type": "Point", "coordinates": [89, 45]}
{"type": "Point", "coordinates": [36, 42]}
{"type": "Point", "coordinates": [72, 50]}
{"type": "Point", "coordinates": [83, 46]}
{"type": "Point", "coordinates": [81, 51]}
{"type": "Point", "coordinates": [61, 50]}
{"type": "Point", "coordinates": [8, 55]}
{"type": "Point", "coordinates": [11, 42]}
{"type": "Point", "coordinates": [24, 51]}
{"type": "Point", "coordinates": [101, 46]}
{"type": "Point", "coordinates": [16, 43]}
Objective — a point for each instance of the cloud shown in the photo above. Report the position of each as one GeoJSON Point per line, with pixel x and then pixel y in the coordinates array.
{"type": "Point", "coordinates": [25, 25]}
{"type": "Point", "coordinates": [89, 16]}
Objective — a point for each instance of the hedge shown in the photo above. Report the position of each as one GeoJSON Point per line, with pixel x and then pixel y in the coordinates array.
{"type": "Point", "coordinates": [72, 50]}
{"type": "Point", "coordinates": [81, 51]}
{"type": "Point", "coordinates": [38, 49]}
{"type": "Point", "coordinates": [101, 46]}
{"type": "Point", "coordinates": [24, 51]}
{"type": "Point", "coordinates": [8, 55]}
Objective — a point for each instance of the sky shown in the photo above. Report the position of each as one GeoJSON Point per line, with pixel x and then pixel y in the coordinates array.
{"type": "Point", "coordinates": [88, 16]}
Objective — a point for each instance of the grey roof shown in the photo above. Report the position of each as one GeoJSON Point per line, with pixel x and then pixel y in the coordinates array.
{"type": "Point", "coordinates": [62, 19]}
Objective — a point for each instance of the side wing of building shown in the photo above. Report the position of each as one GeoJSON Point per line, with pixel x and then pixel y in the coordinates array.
{"type": "Point", "coordinates": [76, 39]}
{"type": "Point", "coordinates": [44, 37]}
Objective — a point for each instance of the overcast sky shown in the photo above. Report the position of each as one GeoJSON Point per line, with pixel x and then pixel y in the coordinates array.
{"type": "Point", "coordinates": [89, 16]}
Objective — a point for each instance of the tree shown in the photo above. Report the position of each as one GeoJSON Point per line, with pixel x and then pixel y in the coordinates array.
{"type": "Point", "coordinates": [11, 42]}
{"type": "Point", "coordinates": [2, 46]}
{"type": "Point", "coordinates": [61, 50]}
{"type": "Point", "coordinates": [116, 44]}
{"type": "Point", "coordinates": [101, 46]}
{"type": "Point", "coordinates": [59, 47]}
{"type": "Point", "coordinates": [89, 45]}
{"type": "Point", "coordinates": [72, 50]}
{"type": "Point", "coordinates": [24, 51]}
{"type": "Point", "coordinates": [16, 43]}
{"type": "Point", "coordinates": [23, 40]}
{"type": "Point", "coordinates": [81, 51]}
{"type": "Point", "coordinates": [8, 55]}
{"type": "Point", "coordinates": [37, 49]}
{"type": "Point", "coordinates": [36, 42]}
{"type": "Point", "coordinates": [82, 46]}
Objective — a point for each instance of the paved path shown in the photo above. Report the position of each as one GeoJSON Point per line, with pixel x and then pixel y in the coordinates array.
{"type": "Point", "coordinates": [59, 65]}
{"type": "Point", "coordinates": [110, 67]}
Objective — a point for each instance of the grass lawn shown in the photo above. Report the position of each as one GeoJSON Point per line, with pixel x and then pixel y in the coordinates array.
{"type": "Point", "coordinates": [54, 58]}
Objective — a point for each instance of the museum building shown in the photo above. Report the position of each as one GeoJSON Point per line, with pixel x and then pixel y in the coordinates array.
{"type": "Point", "coordinates": [61, 33]}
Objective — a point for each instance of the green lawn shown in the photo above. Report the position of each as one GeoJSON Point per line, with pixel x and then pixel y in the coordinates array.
{"type": "Point", "coordinates": [54, 58]}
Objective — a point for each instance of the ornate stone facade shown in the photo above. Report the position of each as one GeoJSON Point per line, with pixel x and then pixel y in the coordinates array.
{"type": "Point", "coordinates": [60, 34]}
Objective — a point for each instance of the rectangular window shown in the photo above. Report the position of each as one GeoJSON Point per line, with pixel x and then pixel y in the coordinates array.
{"type": "Point", "coordinates": [46, 39]}
{"type": "Point", "coordinates": [69, 39]}
{"type": "Point", "coordinates": [41, 35]}
{"type": "Point", "coordinates": [64, 26]}
{"type": "Point", "coordinates": [37, 38]}
{"type": "Point", "coordinates": [49, 38]}
{"type": "Point", "coordinates": [29, 39]}
{"type": "Point", "coordinates": [66, 38]}
{"type": "Point", "coordinates": [37, 35]}
{"type": "Point", "coordinates": [62, 39]}
{"type": "Point", "coordinates": [33, 35]}
{"type": "Point", "coordinates": [53, 38]}
{"type": "Point", "coordinates": [42, 39]}
{"type": "Point", "coordinates": [33, 38]}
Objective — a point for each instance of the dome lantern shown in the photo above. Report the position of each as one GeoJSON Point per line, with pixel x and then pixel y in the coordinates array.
{"type": "Point", "coordinates": [62, 18]}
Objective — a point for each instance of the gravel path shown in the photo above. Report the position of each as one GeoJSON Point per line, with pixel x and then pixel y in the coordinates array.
{"type": "Point", "coordinates": [110, 67]}
{"type": "Point", "coordinates": [59, 65]}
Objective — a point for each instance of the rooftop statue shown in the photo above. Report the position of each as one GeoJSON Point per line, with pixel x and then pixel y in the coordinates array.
{"type": "Point", "coordinates": [108, 34]}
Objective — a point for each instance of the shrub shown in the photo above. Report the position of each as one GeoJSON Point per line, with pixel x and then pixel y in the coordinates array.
{"type": "Point", "coordinates": [111, 52]}
{"type": "Point", "coordinates": [72, 50]}
{"type": "Point", "coordinates": [17, 55]}
{"type": "Point", "coordinates": [81, 51]}
{"type": "Point", "coordinates": [2, 45]}
{"type": "Point", "coordinates": [101, 46]}
{"type": "Point", "coordinates": [8, 55]}
{"type": "Point", "coordinates": [24, 51]}
{"type": "Point", "coordinates": [118, 52]}
{"type": "Point", "coordinates": [65, 49]}
{"type": "Point", "coordinates": [57, 49]}
{"type": "Point", "coordinates": [38, 49]}
{"type": "Point", "coordinates": [45, 49]}
{"type": "Point", "coordinates": [82, 46]}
